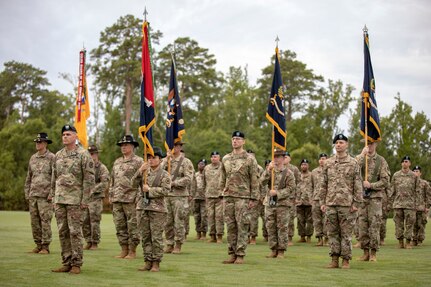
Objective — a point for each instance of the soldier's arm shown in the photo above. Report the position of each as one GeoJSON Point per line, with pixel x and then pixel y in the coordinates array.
{"type": "Point", "coordinates": [254, 181]}
{"type": "Point", "coordinates": [323, 186]}
{"type": "Point", "coordinates": [163, 189]}
{"type": "Point", "coordinates": [357, 187]}
{"type": "Point", "coordinates": [428, 195]}
{"type": "Point", "coordinates": [383, 181]}
{"type": "Point", "coordinates": [392, 192]}
{"type": "Point", "coordinates": [360, 159]}
{"type": "Point", "coordinates": [87, 166]}
{"type": "Point", "coordinates": [222, 180]}
{"type": "Point", "coordinates": [290, 187]}
{"type": "Point", "coordinates": [104, 181]}
{"type": "Point", "coordinates": [265, 178]}
{"type": "Point", "coordinates": [53, 179]}
{"type": "Point", "coordinates": [27, 184]}
{"type": "Point", "coordinates": [417, 191]}
{"type": "Point", "coordinates": [188, 175]}
{"type": "Point", "coordinates": [194, 186]}
{"type": "Point", "coordinates": [137, 179]}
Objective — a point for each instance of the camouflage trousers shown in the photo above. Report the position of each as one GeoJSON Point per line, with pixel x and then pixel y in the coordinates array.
{"type": "Point", "coordinates": [340, 221]}
{"type": "Point", "coordinates": [291, 222]}
{"type": "Point", "coordinates": [419, 229]}
{"type": "Point", "coordinates": [69, 222]}
{"type": "Point", "coordinates": [41, 212]}
{"type": "Point", "coordinates": [178, 211]}
{"type": "Point", "coordinates": [126, 225]}
{"type": "Point", "coordinates": [92, 218]}
{"type": "Point", "coordinates": [319, 220]}
{"type": "Point", "coordinates": [151, 226]}
{"type": "Point", "coordinates": [189, 211]}
{"type": "Point", "coordinates": [237, 218]}
{"type": "Point", "coordinates": [256, 212]}
{"type": "Point", "coordinates": [369, 220]}
{"type": "Point", "coordinates": [215, 216]}
{"type": "Point", "coordinates": [276, 225]}
{"type": "Point", "coordinates": [404, 223]}
{"type": "Point", "coordinates": [384, 218]}
{"type": "Point", "coordinates": [305, 220]}
{"type": "Point", "coordinates": [200, 215]}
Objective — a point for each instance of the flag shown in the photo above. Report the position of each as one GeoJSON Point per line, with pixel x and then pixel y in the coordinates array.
{"type": "Point", "coordinates": [147, 117]}
{"type": "Point", "coordinates": [174, 120]}
{"type": "Point", "coordinates": [82, 108]}
{"type": "Point", "coordinates": [369, 111]}
{"type": "Point", "coordinates": [275, 113]}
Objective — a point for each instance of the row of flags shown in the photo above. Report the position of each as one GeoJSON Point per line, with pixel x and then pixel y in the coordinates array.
{"type": "Point", "coordinates": [369, 125]}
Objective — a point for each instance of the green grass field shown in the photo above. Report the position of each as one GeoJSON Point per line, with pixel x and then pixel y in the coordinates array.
{"type": "Point", "coordinates": [200, 263]}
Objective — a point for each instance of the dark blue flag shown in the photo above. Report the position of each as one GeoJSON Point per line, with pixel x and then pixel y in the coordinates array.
{"type": "Point", "coordinates": [275, 113]}
{"type": "Point", "coordinates": [370, 122]}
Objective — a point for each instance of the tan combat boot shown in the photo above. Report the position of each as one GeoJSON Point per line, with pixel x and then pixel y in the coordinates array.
{"type": "Point", "coordinates": [366, 256]}
{"type": "Point", "coordinates": [177, 248]}
{"type": "Point", "coordinates": [169, 249]}
{"type": "Point", "coordinates": [239, 260]}
{"type": "Point", "coordinates": [408, 244]}
{"type": "Point", "coordinates": [357, 245]}
{"type": "Point", "coordinates": [289, 241]}
{"type": "Point", "coordinates": [75, 270]}
{"type": "Point", "coordinates": [132, 252]}
{"type": "Point", "coordinates": [373, 255]}
{"type": "Point", "coordinates": [401, 243]}
{"type": "Point", "coordinates": [156, 267]}
{"type": "Point", "coordinates": [345, 264]}
{"type": "Point", "coordinates": [415, 243]}
{"type": "Point", "coordinates": [319, 241]}
{"type": "Point", "coordinates": [273, 254]}
{"type": "Point", "coordinates": [231, 260]}
{"type": "Point", "coordinates": [253, 240]}
{"type": "Point", "coordinates": [382, 242]}
{"type": "Point", "coordinates": [419, 243]}
{"type": "Point", "coordinates": [334, 262]}
{"type": "Point", "coordinates": [198, 236]}
{"type": "Point", "coordinates": [44, 250]}
{"type": "Point", "coordinates": [37, 249]}
{"type": "Point", "coordinates": [147, 266]}
{"type": "Point", "coordinates": [88, 246]}
{"type": "Point", "coordinates": [124, 251]}
{"type": "Point", "coordinates": [302, 240]}
{"type": "Point", "coordinates": [280, 254]}
{"type": "Point", "coordinates": [203, 236]}
{"type": "Point", "coordinates": [93, 246]}
{"type": "Point", "coordinates": [212, 238]}
{"type": "Point", "coordinates": [325, 241]}
{"type": "Point", "coordinates": [308, 239]}
{"type": "Point", "coordinates": [64, 268]}
{"type": "Point", "coordinates": [219, 238]}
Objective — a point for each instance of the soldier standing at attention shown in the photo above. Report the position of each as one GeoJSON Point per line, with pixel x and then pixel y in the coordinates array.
{"type": "Point", "coordinates": [340, 197]}
{"type": "Point", "coordinates": [199, 208]}
{"type": "Point", "coordinates": [304, 196]}
{"type": "Point", "coordinates": [405, 190]}
{"type": "Point", "coordinates": [319, 219]}
{"type": "Point", "coordinates": [72, 181]}
{"type": "Point", "coordinates": [291, 219]}
{"type": "Point", "coordinates": [277, 203]}
{"type": "Point", "coordinates": [370, 210]}
{"type": "Point", "coordinates": [93, 214]}
{"type": "Point", "coordinates": [37, 188]}
{"type": "Point", "coordinates": [153, 215]}
{"type": "Point", "coordinates": [214, 199]}
{"type": "Point", "coordinates": [423, 207]}
{"type": "Point", "coordinates": [123, 197]}
{"type": "Point", "coordinates": [177, 201]}
{"type": "Point", "coordinates": [239, 181]}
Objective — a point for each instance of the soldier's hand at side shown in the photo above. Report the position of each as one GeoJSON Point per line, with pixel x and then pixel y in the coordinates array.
{"type": "Point", "coordinates": [145, 188]}
{"type": "Point", "coordinates": [273, 192]}
{"type": "Point", "coordinates": [367, 184]}
{"type": "Point", "coordinates": [323, 208]}
{"type": "Point", "coordinates": [252, 203]}
{"type": "Point", "coordinates": [49, 198]}
{"type": "Point", "coordinates": [353, 208]}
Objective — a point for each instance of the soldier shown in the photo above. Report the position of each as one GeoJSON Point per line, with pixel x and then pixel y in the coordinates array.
{"type": "Point", "coordinates": [304, 196]}
{"type": "Point", "coordinates": [214, 199]}
{"type": "Point", "coordinates": [154, 188]}
{"type": "Point", "coordinates": [370, 210]}
{"type": "Point", "coordinates": [279, 199]}
{"type": "Point", "coordinates": [404, 196]}
{"type": "Point", "coordinates": [422, 207]}
{"type": "Point", "coordinates": [239, 181]}
{"type": "Point", "coordinates": [199, 209]}
{"type": "Point", "coordinates": [177, 201]}
{"type": "Point", "coordinates": [319, 219]}
{"type": "Point", "coordinates": [37, 189]}
{"type": "Point", "coordinates": [93, 214]}
{"type": "Point", "coordinates": [123, 197]}
{"type": "Point", "coordinates": [72, 181]}
{"type": "Point", "coordinates": [292, 215]}
{"type": "Point", "coordinates": [340, 196]}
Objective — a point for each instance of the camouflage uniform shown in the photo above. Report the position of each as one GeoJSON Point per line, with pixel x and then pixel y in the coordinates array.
{"type": "Point", "coordinates": [423, 203]}
{"type": "Point", "coordinates": [214, 199]}
{"type": "Point", "coordinates": [72, 181]}
{"type": "Point", "coordinates": [370, 210]}
{"type": "Point", "coordinates": [123, 195]}
{"type": "Point", "coordinates": [258, 211]}
{"type": "Point", "coordinates": [340, 190]}
{"type": "Point", "coordinates": [93, 214]}
{"type": "Point", "coordinates": [239, 180]}
{"type": "Point", "coordinates": [37, 188]}
{"type": "Point", "coordinates": [153, 215]}
{"type": "Point", "coordinates": [277, 214]}
{"type": "Point", "coordinates": [177, 201]}
{"type": "Point", "coordinates": [405, 190]}
{"type": "Point", "coordinates": [292, 215]}
{"type": "Point", "coordinates": [199, 208]}
{"type": "Point", "coordinates": [319, 218]}
{"type": "Point", "coordinates": [189, 208]}
{"type": "Point", "coordinates": [385, 211]}
{"type": "Point", "coordinates": [304, 195]}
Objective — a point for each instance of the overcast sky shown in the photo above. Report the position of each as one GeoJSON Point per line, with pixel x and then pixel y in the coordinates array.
{"type": "Point", "coordinates": [326, 35]}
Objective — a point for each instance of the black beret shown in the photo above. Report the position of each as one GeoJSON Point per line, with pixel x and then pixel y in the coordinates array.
{"type": "Point", "coordinates": [215, 153]}
{"type": "Point", "coordinates": [68, 128]}
{"type": "Point", "coordinates": [322, 155]}
{"type": "Point", "coordinates": [202, 160]}
{"type": "Point", "coordinates": [340, 137]}
{"type": "Point", "coordinates": [406, 158]}
{"type": "Point", "coordinates": [238, 134]}
{"type": "Point", "coordinates": [304, 161]}
{"type": "Point", "coordinates": [417, 168]}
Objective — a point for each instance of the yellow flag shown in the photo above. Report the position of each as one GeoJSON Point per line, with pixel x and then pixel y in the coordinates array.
{"type": "Point", "coordinates": [82, 107]}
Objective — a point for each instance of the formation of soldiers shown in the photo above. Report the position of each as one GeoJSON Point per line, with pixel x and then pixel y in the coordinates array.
{"type": "Point", "coordinates": [151, 200]}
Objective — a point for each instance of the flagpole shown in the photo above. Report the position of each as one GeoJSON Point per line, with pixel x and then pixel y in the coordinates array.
{"type": "Point", "coordinates": [365, 30]}
{"type": "Point", "coordinates": [272, 160]}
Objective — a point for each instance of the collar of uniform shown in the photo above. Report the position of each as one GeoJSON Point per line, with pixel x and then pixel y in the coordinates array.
{"type": "Point", "coordinates": [176, 159]}
{"type": "Point", "coordinates": [281, 169]}
{"type": "Point", "coordinates": [341, 159]}
{"type": "Point", "coordinates": [128, 159]}
{"type": "Point", "coordinates": [42, 155]}
{"type": "Point", "coordinates": [156, 169]}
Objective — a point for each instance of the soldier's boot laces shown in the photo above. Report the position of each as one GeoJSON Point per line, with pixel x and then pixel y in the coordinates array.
{"type": "Point", "coordinates": [132, 252]}
{"type": "Point", "coordinates": [231, 260]}
{"type": "Point", "coordinates": [408, 245]}
{"type": "Point", "coordinates": [401, 243]}
{"type": "Point", "coordinates": [177, 248]}
{"type": "Point", "coordinates": [365, 256]}
{"type": "Point", "coordinates": [334, 262]}
{"type": "Point", "coordinates": [156, 267]}
{"type": "Point", "coordinates": [75, 270]}
{"type": "Point", "coordinates": [169, 249]}
{"type": "Point", "coordinates": [239, 260]}
{"type": "Point", "coordinates": [280, 254]}
{"type": "Point", "coordinates": [219, 238]}
{"type": "Point", "coordinates": [345, 264]}
{"type": "Point", "coordinates": [93, 246]}
{"type": "Point", "coordinates": [147, 266]}
{"type": "Point", "coordinates": [88, 246]}
{"type": "Point", "coordinates": [373, 255]}
{"type": "Point", "coordinates": [273, 254]}
{"type": "Point", "coordinates": [62, 269]}
{"type": "Point", "coordinates": [124, 251]}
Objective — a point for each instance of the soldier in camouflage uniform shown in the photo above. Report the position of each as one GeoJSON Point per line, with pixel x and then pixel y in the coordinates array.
{"type": "Point", "coordinates": [72, 181]}
{"type": "Point", "coordinates": [370, 210]}
{"type": "Point", "coordinates": [239, 181]}
{"type": "Point", "coordinates": [37, 188]}
{"type": "Point", "coordinates": [404, 198]}
{"type": "Point", "coordinates": [279, 200]}
{"type": "Point", "coordinates": [214, 199]}
{"type": "Point", "coordinates": [340, 197]}
{"type": "Point", "coordinates": [93, 214]}
{"type": "Point", "coordinates": [153, 215]}
{"type": "Point", "coordinates": [385, 210]}
{"type": "Point", "coordinates": [199, 208]}
{"type": "Point", "coordinates": [292, 215]}
{"type": "Point", "coordinates": [422, 207]}
{"type": "Point", "coordinates": [304, 197]}
{"type": "Point", "coordinates": [123, 197]}
{"type": "Point", "coordinates": [177, 201]}
{"type": "Point", "coordinates": [319, 219]}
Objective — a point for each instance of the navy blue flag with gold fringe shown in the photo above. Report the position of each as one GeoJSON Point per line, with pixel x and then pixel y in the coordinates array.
{"type": "Point", "coordinates": [275, 113]}
{"type": "Point", "coordinates": [370, 122]}
{"type": "Point", "coordinates": [174, 120]}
